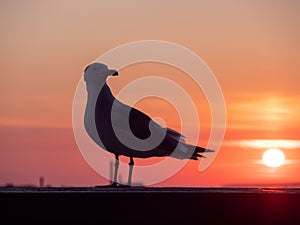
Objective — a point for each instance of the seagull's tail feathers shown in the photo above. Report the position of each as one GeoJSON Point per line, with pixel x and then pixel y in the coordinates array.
{"type": "Point", "coordinates": [186, 151]}
{"type": "Point", "coordinates": [175, 135]}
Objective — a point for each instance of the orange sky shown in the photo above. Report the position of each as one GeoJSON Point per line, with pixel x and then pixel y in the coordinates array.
{"type": "Point", "coordinates": [252, 48]}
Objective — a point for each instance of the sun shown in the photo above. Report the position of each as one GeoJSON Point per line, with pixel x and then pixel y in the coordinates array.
{"type": "Point", "coordinates": [273, 157]}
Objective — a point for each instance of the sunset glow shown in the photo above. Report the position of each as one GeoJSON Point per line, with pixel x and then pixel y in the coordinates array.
{"type": "Point", "coordinates": [252, 48]}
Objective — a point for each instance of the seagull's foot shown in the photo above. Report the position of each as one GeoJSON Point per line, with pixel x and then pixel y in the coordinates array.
{"type": "Point", "coordinates": [114, 185]}
{"type": "Point", "coordinates": [124, 185]}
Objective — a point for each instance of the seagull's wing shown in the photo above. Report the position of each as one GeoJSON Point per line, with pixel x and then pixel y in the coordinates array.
{"type": "Point", "coordinates": [139, 123]}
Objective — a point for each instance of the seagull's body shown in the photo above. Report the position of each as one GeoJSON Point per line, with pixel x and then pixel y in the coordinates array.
{"type": "Point", "coordinates": [101, 124]}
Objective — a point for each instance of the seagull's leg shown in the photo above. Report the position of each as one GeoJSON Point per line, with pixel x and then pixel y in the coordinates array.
{"type": "Point", "coordinates": [131, 163]}
{"type": "Point", "coordinates": [116, 171]}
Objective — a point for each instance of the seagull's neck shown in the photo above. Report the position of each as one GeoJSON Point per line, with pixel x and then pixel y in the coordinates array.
{"type": "Point", "coordinates": [94, 91]}
{"type": "Point", "coordinates": [93, 88]}
{"type": "Point", "coordinates": [89, 115]}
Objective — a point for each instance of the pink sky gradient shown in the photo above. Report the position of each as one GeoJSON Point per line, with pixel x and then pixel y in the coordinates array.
{"type": "Point", "coordinates": [252, 47]}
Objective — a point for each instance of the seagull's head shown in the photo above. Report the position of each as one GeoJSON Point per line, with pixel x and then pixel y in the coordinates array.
{"type": "Point", "coordinates": [97, 73]}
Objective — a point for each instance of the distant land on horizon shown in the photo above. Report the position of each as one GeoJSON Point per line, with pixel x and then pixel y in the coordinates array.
{"type": "Point", "coordinates": [274, 185]}
{"type": "Point", "coordinates": [270, 185]}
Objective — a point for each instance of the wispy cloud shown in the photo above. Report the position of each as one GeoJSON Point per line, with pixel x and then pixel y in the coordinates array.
{"type": "Point", "coordinates": [265, 143]}
{"type": "Point", "coordinates": [264, 112]}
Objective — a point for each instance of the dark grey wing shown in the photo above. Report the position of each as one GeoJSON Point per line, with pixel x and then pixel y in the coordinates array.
{"type": "Point", "coordinates": [139, 124]}
{"type": "Point", "coordinates": [138, 121]}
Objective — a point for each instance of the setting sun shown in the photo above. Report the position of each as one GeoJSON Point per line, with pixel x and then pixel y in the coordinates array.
{"type": "Point", "coordinates": [273, 157]}
{"type": "Point", "coordinates": [251, 47]}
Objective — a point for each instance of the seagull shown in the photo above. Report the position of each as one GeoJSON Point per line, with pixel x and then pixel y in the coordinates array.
{"type": "Point", "coordinates": [107, 121]}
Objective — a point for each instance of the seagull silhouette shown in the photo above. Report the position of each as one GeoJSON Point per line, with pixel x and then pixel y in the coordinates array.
{"type": "Point", "coordinates": [108, 121]}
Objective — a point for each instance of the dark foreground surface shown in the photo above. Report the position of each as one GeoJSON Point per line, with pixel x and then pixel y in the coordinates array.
{"type": "Point", "coordinates": [149, 205]}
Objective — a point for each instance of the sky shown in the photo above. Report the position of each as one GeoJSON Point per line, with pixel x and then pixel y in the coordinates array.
{"type": "Point", "coordinates": [252, 47]}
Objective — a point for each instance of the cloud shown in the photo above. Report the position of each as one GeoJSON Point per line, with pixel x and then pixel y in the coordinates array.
{"type": "Point", "coordinates": [265, 143]}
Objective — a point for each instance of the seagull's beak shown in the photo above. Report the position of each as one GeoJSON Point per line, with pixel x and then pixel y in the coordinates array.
{"type": "Point", "coordinates": [113, 72]}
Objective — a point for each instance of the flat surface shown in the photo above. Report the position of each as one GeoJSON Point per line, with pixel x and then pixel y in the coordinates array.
{"type": "Point", "coordinates": [140, 205]}
{"type": "Point", "coordinates": [104, 189]}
